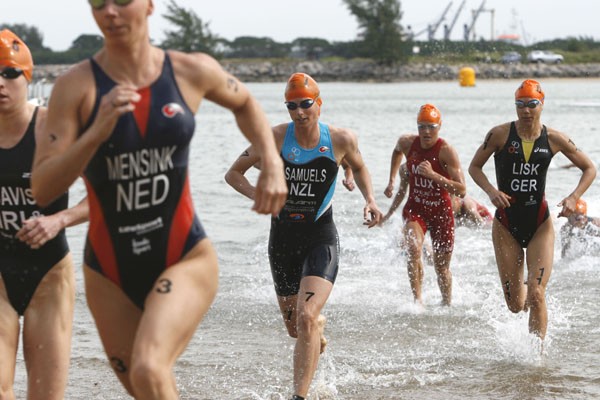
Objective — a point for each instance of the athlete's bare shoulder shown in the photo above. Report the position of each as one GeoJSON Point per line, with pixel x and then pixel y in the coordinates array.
{"type": "Point", "coordinates": [73, 93]}
{"type": "Point", "coordinates": [496, 137]}
{"type": "Point", "coordinates": [196, 68]}
{"type": "Point", "coordinates": [75, 76]}
{"type": "Point", "coordinates": [405, 142]}
{"type": "Point", "coordinates": [559, 141]}
{"type": "Point", "coordinates": [341, 133]}
{"type": "Point", "coordinates": [343, 139]}
{"type": "Point", "coordinates": [279, 133]}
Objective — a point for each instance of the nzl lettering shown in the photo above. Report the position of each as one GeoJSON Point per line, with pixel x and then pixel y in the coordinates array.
{"type": "Point", "coordinates": [301, 189]}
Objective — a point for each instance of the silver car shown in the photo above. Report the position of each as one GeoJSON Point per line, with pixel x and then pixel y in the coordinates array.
{"type": "Point", "coordinates": [545, 56]}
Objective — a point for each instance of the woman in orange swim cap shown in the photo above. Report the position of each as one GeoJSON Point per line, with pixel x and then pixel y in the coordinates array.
{"type": "Point", "coordinates": [579, 232]}
{"type": "Point", "coordinates": [434, 175]}
{"type": "Point", "coordinates": [303, 241]}
{"type": "Point", "coordinates": [522, 229]}
{"type": "Point", "coordinates": [15, 54]}
{"type": "Point", "coordinates": [36, 268]}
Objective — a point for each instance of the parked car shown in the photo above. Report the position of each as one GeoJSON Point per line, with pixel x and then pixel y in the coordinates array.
{"type": "Point", "coordinates": [544, 56]}
{"type": "Point", "coordinates": [510, 57]}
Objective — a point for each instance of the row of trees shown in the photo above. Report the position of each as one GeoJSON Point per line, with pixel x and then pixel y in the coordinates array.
{"type": "Point", "coordinates": [380, 38]}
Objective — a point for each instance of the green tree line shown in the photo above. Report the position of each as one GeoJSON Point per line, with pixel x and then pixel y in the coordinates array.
{"type": "Point", "coordinates": [381, 37]}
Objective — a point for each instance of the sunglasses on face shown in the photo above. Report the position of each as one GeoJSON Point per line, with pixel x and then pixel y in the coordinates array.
{"type": "Point", "coordinates": [530, 104]}
{"type": "Point", "coordinates": [11, 73]}
{"type": "Point", "coordinates": [99, 4]}
{"type": "Point", "coordinates": [428, 126]}
{"type": "Point", "coordinates": [304, 104]}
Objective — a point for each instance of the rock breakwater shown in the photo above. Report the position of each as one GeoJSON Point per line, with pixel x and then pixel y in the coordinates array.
{"type": "Point", "coordinates": [368, 71]}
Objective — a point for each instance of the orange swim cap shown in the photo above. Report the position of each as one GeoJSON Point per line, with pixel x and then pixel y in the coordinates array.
{"type": "Point", "coordinates": [302, 85]}
{"type": "Point", "coordinates": [581, 207]}
{"type": "Point", "coordinates": [530, 88]}
{"type": "Point", "coordinates": [429, 113]}
{"type": "Point", "coordinates": [15, 53]}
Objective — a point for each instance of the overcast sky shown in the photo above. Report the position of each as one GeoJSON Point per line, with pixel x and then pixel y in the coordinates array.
{"type": "Point", "coordinates": [62, 21]}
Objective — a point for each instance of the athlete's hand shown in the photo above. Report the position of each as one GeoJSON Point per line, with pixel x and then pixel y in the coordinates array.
{"type": "Point", "coordinates": [271, 188]}
{"type": "Point", "coordinates": [372, 215]}
{"type": "Point", "coordinates": [500, 199]}
{"type": "Point", "coordinates": [384, 219]}
{"type": "Point", "coordinates": [349, 184]}
{"type": "Point", "coordinates": [389, 190]}
{"type": "Point", "coordinates": [425, 169]}
{"type": "Point", "coordinates": [36, 231]}
{"type": "Point", "coordinates": [568, 205]}
{"type": "Point", "coordinates": [348, 180]}
{"type": "Point", "coordinates": [120, 100]}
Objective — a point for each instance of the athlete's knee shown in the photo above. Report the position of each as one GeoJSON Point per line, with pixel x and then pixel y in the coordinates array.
{"type": "Point", "coordinates": [147, 375]}
{"type": "Point", "coordinates": [536, 296]}
{"type": "Point", "coordinates": [307, 320]}
{"type": "Point", "coordinates": [515, 307]}
{"type": "Point", "coordinates": [291, 329]}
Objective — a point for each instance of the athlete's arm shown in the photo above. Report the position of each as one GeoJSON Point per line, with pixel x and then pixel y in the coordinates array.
{"type": "Point", "coordinates": [404, 181]}
{"type": "Point", "coordinates": [449, 159]}
{"type": "Point", "coordinates": [236, 177]}
{"type": "Point", "coordinates": [561, 142]}
{"type": "Point", "coordinates": [395, 162]}
{"type": "Point", "coordinates": [594, 221]}
{"type": "Point", "coordinates": [36, 231]}
{"type": "Point", "coordinates": [226, 90]}
{"type": "Point", "coordinates": [493, 142]}
{"type": "Point", "coordinates": [348, 143]}
{"type": "Point", "coordinates": [61, 156]}
{"type": "Point", "coordinates": [565, 239]}
{"type": "Point", "coordinates": [470, 207]}
{"type": "Point", "coordinates": [348, 180]}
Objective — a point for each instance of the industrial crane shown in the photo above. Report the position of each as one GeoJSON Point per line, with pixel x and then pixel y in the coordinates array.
{"type": "Point", "coordinates": [432, 28]}
{"type": "Point", "coordinates": [469, 29]}
{"type": "Point", "coordinates": [448, 28]}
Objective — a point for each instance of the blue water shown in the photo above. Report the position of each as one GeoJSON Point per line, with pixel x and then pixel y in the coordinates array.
{"type": "Point", "coordinates": [380, 345]}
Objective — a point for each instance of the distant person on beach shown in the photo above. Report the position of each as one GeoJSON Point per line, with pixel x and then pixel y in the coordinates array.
{"type": "Point", "coordinates": [580, 233]}
{"type": "Point", "coordinates": [434, 174]}
{"type": "Point", "coordinates": [303, 241]}
{"type": "Point", "coordinates": [36, 269]}
{"type": "Point", "coordinates": [124, 119]}
{"type": "Point", "coordinates": [522, 152]}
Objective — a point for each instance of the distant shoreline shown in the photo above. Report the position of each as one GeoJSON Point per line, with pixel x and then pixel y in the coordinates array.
{"type": "Point", "coordinates": [369, 71]}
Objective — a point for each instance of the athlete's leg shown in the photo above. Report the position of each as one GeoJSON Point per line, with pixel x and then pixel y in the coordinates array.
{"type": "Point", "coordinates": [509, 258]}
{"type": "Point", "coordinates": [9, 343]}
{"type": "Point", "coordinates": [181, 297]}
{"type": "Point", "coordinates": [314, 292]}
{"type": "Point", "coordinates": [540, 257]}
{"type": "Point", "coordinates": [287, 306]}
{"type": "Point", "coordinates": [116, 318]}
{"type": "Point", "coordinates": [47, 326]}
{"type": "Point", "coordinates": [413, 243]}
{"type": "Point", "coordinates": [441, 261]}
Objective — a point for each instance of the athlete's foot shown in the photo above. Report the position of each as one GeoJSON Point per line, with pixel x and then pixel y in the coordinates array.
{"type": "Point", "coordinates": [322, 321]}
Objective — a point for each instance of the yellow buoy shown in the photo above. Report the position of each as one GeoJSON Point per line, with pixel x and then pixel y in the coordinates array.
{"type": "Point", "coordinates": [466, 76]}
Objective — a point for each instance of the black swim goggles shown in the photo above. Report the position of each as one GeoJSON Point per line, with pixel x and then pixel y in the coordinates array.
{"type": "Point", "coordinates": [530, 104]}
{"type": "Point", "coordinates": [11, 73]}
{"type": "Point", "coordinates": [304, 104]}
{"type": "Point", "coordinates": [99, 4]}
